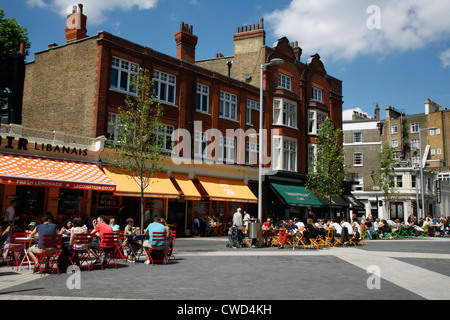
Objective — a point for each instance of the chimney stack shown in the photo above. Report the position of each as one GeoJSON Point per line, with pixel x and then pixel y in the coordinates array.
{"type": "Point", "coordinates": [377, 112]}
{"type": "Point", "coordinates": [76, 24]}
{"type": "Point", "coordinates": [186, 42]}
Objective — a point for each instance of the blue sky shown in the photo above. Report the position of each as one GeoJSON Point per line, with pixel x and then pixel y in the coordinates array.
{"type": "Point", "coordinates": [398, 55]}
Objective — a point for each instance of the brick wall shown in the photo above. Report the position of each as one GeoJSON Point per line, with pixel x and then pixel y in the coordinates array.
{"type": "Point", "coordinates": [60, 86]}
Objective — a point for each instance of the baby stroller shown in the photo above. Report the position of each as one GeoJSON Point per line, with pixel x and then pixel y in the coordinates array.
{"type": "Point", "coordinates": [235, 237]}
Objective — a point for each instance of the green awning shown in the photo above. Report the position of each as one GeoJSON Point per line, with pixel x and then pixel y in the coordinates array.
{"type": "Point", "coordinates": [295, 195]}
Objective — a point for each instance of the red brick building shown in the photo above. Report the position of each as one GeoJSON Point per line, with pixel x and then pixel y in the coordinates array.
{"type": "Point", "coordinates": [78, 86]}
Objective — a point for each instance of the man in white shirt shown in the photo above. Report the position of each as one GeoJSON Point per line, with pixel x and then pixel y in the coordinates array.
{"type": "Point", "coordinates": [246, 219]}
{"type": "Point", "coordinates": [337, 229]}
{"type": "Point", "coordinates": [9, 214]}
{"type": "Point", "coordinates": [300, 225]}
{"type": "Point", "coordinates": [346, 224]}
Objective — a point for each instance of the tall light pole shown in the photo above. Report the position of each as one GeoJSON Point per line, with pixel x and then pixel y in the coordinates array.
{"type": "Point", "coordinates": [274, 62]}
{"type": "Point", "coordinates": [422, 164]}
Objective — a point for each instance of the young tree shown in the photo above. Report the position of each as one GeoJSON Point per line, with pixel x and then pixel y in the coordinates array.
{"type": "Point", "coordinates": [138, 146]}
{"type": "Point", "coordinates": [328, 176]}
{"type": "Point", "coordinates": [384, 176]}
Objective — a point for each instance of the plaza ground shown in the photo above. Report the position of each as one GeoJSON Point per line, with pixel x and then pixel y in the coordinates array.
{"type": "Point", "coordinates": [206, 269]}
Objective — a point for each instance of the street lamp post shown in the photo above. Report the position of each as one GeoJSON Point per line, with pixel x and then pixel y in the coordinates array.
{"type": "Point", "coordinates": [275, 62]}
{"type": "Point", "coordinates": [422, 164]}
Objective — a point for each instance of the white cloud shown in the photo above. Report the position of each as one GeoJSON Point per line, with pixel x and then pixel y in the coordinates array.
{"type": "Point", "coordinates": [94, 9]}
{"type": "Point", "coordinates": [338, 29]}
{"type": "Point", "coordinates": [445, 58]}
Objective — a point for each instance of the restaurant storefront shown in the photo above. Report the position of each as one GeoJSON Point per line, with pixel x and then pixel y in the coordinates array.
{"type": "Point", "coordinates": [45, 173]}
{"type": "Point", "coordinates": [291, 200]}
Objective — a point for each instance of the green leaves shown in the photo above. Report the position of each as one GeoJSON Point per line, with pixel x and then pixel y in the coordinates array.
{"type": "Point", "coordinates": [138, 145]}
{"type": "Point", "coordinates": [329, 171]}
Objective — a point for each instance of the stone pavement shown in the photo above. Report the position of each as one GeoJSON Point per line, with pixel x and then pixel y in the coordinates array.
{"type": "Point", "coordinates": [205, 269]}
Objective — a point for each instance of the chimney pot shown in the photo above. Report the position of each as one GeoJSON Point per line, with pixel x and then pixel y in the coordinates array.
{"type": "Point", "coordinates": [186, 42]}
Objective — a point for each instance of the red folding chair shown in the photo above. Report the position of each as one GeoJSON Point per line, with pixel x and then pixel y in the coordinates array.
{"type": "Point", "coordinates": [157, 255]}
{"type": "Point", "coordinates": [109, 251]}
{"type": "Point", "coordinates": [48, 259]}
{"type": "Point", "coordinates": [17, 248]}
{"type": "Point", "coordinates": [120, 235]}
{"type": "Point", "coordinates": [170, 253]}
{"type": "Point", "coordinates": [82, 248]}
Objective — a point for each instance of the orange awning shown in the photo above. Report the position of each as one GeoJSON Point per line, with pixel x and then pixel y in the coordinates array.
{"type": "Point", "coordinates": [222, 189]}
{"type": "Point", "coordinates": [186, 185]}
{"type": "Point", "coordinates": [43, 172]}
{"type": "Point", "coordinates": [160, 185]}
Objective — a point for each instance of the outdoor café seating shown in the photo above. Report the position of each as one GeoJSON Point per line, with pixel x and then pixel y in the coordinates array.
{"type": "Point", "coordinates": [81, 253]}
{"type": "Point", "coordinates": [48, 257]}
{"type": "Point", "coordinates": [156, 251]}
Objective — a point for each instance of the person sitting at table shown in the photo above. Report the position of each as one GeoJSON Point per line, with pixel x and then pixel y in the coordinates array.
{"type": "Point", "coordinates": [66, 230]}
{"type": "Point", "coordinates": [356, 225]}
{"type": "Point", "coordinates": [31, 227]}
{"type": "Point", "coordinates": [169, 236]}
{"type": "Point", "coordinates": [384, 227]}
{"type": "Point", "coordinates": [47, 227]}
{"type": "Point", "coordinates": [100, 229]}
{"type": "Point", "coordinates": [337, 229]}
{"type": "Point", "coordinates": [440, 228]}
{"type": "Point", "coordinates": [289, 233]}
{"type": "Point", "coordinates": [129, 242]}
{"type": "Point", "coordinates": [156, 226]}
{"type": "Point", "coordinates": [347, 230]}
{"type": "Point", "coordinates": [68, 248]}
{"type": "Point", "coordinates": [266, 231]}
{"type": "Point", "coordinates": [311, 231]}
{"type": "Point", "coordinates": [369, 227]}
{"type": "Point", "coordinates": [114, 225]}
{"type": "Point", "coordinates": [15, 226]}
{"type": "Point", "coordinates": [300, 225]}
{"type": "Point", "coordinates": [396, 226]}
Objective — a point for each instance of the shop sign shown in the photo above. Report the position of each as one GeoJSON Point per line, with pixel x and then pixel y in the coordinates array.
{"type": "Point", "coordinates": [23, 144]}
{"type": "Point", "coordinates": [106, 199]}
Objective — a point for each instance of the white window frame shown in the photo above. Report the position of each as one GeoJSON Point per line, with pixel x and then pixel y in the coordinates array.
{"type": "Point", "coordinates": [165, 85]}
{"type": "Point", "coordinates": [227, 147]}
{"type": "Point", "coordinates": [284, 81]}
{"type": "Point", "coordinates": [285, 153]}
{"type": "Point", "coordinates": [251, 105]}
{"type": "Point", "coordinates": [415, 127]}
{"type": "Point", "coordinates": [166, 133]}
{"type": "Point", "coordinates": [202, 102]}
{"type": "Point", "coordinates": [126, 70]}
{"type": "Point", "coordinates": [251, 153]}
{"type": "Point", "coordinates": [415, 144]}
{"type": "Point", "coordinates": [317, 94]}
{"type": "Point", "coordinates": [284, 113]}
{"type": "Point", "coordinates": [315, 119]}
{"type": "Point", "coordinates": [394, 129]}
{"type": "Point", "coordinates": [359, 178]}
{"type": "Point", "coordinates": [394, 143]}
{"type": "Point", "coordinates": [357, 137]}
{"type": "Point", "coordinates": [201, 142]}
{"type": "Point", "coordinates": [113, 127]}
{"type": "Point", "coordinates": [312, 153]}
{"type": "Point", "coordinates": [358, 159]}
{"type": "Point", "coordinates": [228, 106]}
